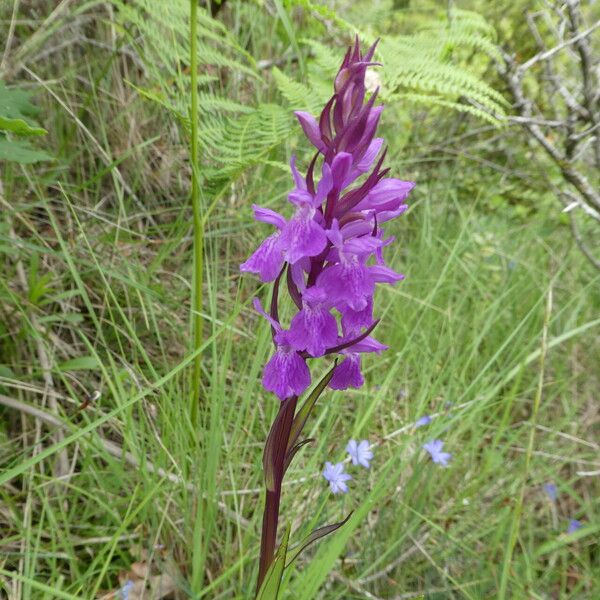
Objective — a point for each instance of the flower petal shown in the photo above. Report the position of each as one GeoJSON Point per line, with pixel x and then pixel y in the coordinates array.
{"type": "Point", "coordinates": [311, 129]}
{"type": "Point", "coordinates": [387, 194]}
{"type": "Point", "coordinates": [286, 374]}
{"type": "Point", "coordinates": [354, 320]}
{"type": "Point", "coordinates": [266, 215]}
{"type": "Point", "coordinates": [302, 236]}
{"type": "Point", "coordinates": [347, 374]}
{"type": "Point", "coordinates": [314, 330]}
{"type": "Point", "coordinates": [266, 260]}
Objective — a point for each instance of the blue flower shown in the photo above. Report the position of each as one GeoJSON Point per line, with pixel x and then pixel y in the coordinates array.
{"type": "Point", "coordinates": [574, 525]}
{"type": "Point", "coordinates": [360, 453]}
{"type": "Point", "coordinates": [423, 421]}
{"type": "Point", "coordinates": [435, 451]}
{"type": "Point", "coordinates": [336, 477]}
{"type": "Point", "coordinates": [127, 587]}
{"type": "Point", "coordinates": [551, 491]}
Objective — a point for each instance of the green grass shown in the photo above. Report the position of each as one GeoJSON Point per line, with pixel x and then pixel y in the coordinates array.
{"type": "Point", "coordinates": [107, 300]}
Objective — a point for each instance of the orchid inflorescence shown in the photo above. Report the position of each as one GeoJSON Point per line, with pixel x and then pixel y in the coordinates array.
{"type": "Point", "coordinates": [331, 253]}
{"type": "Point", "coordinates": [327, 243]}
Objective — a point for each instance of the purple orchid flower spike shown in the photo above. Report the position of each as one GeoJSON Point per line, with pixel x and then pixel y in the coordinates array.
{"type": "Point", "coordinates": [330, 253]}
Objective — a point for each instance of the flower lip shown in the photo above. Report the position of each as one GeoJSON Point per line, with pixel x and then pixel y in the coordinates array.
{"type": "Point", "coordinates": [286, 373]}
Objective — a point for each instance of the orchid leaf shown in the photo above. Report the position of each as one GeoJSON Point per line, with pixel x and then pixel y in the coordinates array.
{"type": "Point", "coordinates": [275, 446]}
{"type": "Point", "coordinates": [304, 412]}
{"type": "Point", "coordinates": [314, 536]}
{"type": "Point", "coordinates": [290, 455]}
{"type": "Point", "coordinates": [269, 589]}
{"type": "Point", "coordinates": [270, 446]}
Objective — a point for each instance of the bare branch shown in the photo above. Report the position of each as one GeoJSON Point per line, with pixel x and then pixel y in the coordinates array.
{"type": "Point", "coordinates": [549, 53]}
{"type": "Point", "coordinates": [524, 105]}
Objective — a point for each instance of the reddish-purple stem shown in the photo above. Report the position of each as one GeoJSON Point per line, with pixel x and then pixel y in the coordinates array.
{"type": "Point", "coordinates": [280, 432]}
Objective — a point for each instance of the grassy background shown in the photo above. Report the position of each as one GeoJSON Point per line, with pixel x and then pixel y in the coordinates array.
{"type": "Point", "coordinates": [499, 314]}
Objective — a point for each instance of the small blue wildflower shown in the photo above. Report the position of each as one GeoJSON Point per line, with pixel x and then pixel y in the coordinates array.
{"type": "Point", "coordinates": [127, 587]}
{"type": "Point", "coordinates": [336, 477]}
{"type": "Point", "coordinates": [423, 421]}
{"type": "Point", "coordinates": [435, 451]}
{"type": "Point", "coordinates": [574, 525]}
{"type": "Point", "coordinates": [551, 491]}
{"type": "Point", "coordinates": [360, 453]}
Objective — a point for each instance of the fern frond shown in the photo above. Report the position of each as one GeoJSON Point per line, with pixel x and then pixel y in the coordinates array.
{"type": "Point", "coordinates": [429, 100]}
{"type": "Point", "coordinates": [299, 96]}
{"type": "Point", "coordinates": [429, 66]}
{"type": "Point", "coordinates": [232, 135]}
{"type": "Point", "coordinates": [247, 140]}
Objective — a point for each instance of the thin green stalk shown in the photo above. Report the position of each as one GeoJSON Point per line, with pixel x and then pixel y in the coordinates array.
{"type": "Point", "coordinates": [514, 531]}
{"type": "Point", "coordinates": [197, 209]}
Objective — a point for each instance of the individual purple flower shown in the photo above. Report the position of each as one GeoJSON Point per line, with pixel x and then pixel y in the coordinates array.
{"type": "Point", "coordinates": [303, 235]}
{"type": "Point", "coordinates": [574, 525]}
{"type": "Point", "coordinates": [355, 320]}
{"type": "Point", "coordinates": [424, 420]}
{"type": "Point", "coordinates": [387, 195]}
{"type": "Point", "coordinates": [360, 452]}
{"type": "Point", "coordinates": [336, 477]}
{"type": "Point", "coordinates": [551, 491]}
{"type": "Point", "coordinates": [286, 373]}
{"type": "Point", "coordinates": [348, 372]}
{"type": "Point", "coordinates": [267, 259]}
{"type": "Point", "coordinates": [439, 457]}
{"type": "Point", "coordinates": [350, 281]}
{"type": "Point", "coordinates": [314, 328]}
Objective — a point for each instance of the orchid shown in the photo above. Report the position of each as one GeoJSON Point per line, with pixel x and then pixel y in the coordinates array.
{"type": "Point", "coordinates": [335, 230]}
{"type": "Point", "coordinates": [329, 251]}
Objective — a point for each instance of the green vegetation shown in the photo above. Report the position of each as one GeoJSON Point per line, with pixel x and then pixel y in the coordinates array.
{"type": "Point", "coordinates": [104, 477]}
